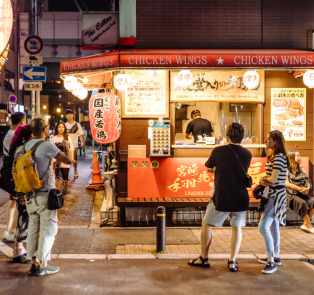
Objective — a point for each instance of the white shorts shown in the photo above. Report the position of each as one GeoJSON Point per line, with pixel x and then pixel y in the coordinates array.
{"type": "Point", "coordinates": [217, 218]}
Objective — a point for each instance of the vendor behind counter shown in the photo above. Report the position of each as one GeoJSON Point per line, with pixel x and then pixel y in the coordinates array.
{"type": "Point", "coordinates": [198, 126]}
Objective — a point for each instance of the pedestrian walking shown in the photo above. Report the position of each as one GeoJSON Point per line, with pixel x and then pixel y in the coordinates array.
{"type": "Point", "coordinates": [17, 119]}
{"type": "Point", "coordinates": [230, 196]}
{"type": "Point", "coordinates": [75, 131]}
{"type": "Point", "coordinates": [61, 169]}
{"type": "Point", "coordinates": [274, 213]}
{"type": "Point", "coordinates": [43, 225]}
{"type": "Point", "coordinates": [22, 135]}
{"type": "Point", "coordinates": [298, 187]}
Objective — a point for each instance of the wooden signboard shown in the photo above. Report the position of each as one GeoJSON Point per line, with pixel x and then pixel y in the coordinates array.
{"type": "Point", "coordinates": [222, 86]}
{"type": "Point", "coordinates": [147, 96]}
{"type": "Point", "coordinates": [288, 112]}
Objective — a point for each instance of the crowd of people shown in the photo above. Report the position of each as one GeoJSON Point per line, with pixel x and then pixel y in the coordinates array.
{"type": "Point", "coordinates": [28, 217]}
{"type": "Point", "coordinates": [285, 184]}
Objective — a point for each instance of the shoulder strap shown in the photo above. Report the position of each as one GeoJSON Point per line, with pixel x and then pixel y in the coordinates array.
{"type": "Point", "coordinates": [237, 158]}
{"type": "Point", "coordinates": [35, 146]}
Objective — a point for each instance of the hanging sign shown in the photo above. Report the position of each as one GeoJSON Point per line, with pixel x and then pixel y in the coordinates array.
{"type": "Point", "coordinates": [105, 117]}
{"type": "Point", "coordinates": [222, 86]}
{"type": "Point", "coordinates": [288, 112]}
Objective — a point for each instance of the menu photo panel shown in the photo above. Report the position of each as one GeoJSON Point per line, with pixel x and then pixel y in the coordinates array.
{"type": "Point", "coordinates": [147, 95]}
{"type": "Point", "coordinates": [288, 112]}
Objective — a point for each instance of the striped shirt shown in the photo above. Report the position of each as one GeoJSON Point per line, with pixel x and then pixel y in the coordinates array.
{"type": "Point", "coordinates": [278, 190]}
{"type": "Point", "coordinates": [279, 162]}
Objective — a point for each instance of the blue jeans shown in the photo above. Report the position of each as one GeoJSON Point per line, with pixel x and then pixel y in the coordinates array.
{"type": "Point", "coordinates": [269, 228]}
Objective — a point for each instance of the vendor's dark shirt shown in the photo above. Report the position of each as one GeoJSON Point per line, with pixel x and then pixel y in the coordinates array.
{"type": "Point", "coordinates": [230, 190]}
{"type": "Point", "coordinates": [199, 126]}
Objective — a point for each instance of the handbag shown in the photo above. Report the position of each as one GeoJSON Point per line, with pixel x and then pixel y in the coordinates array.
{"type": "Point", "coordinates": [248, 178]}
{"type": "Point", "coordinates": [258, 192]}
{"type": "Point", "coordinates": [6, 178]}
{"type": "Point", "coordinates": [55, 200]}
{"type": "Point", "coordinates": [262, 204]}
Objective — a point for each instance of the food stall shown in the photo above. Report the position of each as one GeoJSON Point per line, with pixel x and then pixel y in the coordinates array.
{"type": "Point", "coordinates": [157, 164]}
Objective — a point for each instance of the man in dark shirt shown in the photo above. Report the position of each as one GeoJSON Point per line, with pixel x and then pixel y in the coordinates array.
{"type": "Point", "coordinates": [198, 126]}
{"type": "Point", "coordinates": [230, 196]}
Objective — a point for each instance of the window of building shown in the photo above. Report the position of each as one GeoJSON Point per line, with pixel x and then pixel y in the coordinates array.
{"type": "Point", "coordinates": [9, 80]}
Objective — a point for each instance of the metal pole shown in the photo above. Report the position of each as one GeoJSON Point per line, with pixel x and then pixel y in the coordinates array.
{"type": "Point", "coordinates": [38, 102]}
{"type": "Point", "coordinates": [33, 104]}
{"type": "Point", "coordinates": [161, 228]}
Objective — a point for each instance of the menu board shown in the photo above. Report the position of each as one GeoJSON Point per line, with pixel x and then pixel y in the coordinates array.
{"type": "Point", "coordinates": [146, 97]}
{"type": "Point", "coordinates": [222, 86]}
{"type": "Point", "coordinates": [160, 140]}
{"type": "Point", "coordinates": [288, 112]}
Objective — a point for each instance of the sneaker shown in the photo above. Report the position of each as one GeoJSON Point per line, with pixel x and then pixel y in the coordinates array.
{"type": "Point", "coordinates": [311, 230]}
{"type": "Point", "coordinates": [22, 259]}
{"type": "Point", "coordinates": [8, 237]}
{"type": "Point", "coordinates": [269, 268]}
{"type": "Point", "coordinates": [264, 261]}
{"type": "Point", "coordinates": [48, 270]}
{"type": "Point", "coordinates": [33, 270]}
{"type": "Point", "coordinates": [305, 228]}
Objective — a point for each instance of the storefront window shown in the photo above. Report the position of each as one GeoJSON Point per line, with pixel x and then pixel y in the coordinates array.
{"type": "Point", "coordinates": [9, 80]}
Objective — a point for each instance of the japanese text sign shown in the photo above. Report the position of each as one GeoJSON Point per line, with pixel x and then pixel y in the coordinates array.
{"type": "Point", "coordinates": [222, 86]}
{"type": "Point", "coordinates": [181, 177]}
{"type": "Point", "coordinates": [105, 117]}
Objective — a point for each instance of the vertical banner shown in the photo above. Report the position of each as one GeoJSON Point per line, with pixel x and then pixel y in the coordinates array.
{"type": "Point", "coordinates": [288, 112]}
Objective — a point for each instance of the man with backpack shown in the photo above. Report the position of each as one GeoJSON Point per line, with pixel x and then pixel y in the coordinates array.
{"type": "Point", "coordinates": [17, 119]}
{"type": "Point", "coordinates": [42, 227]}
{"type": "Point", "coordinates": [74, 130]}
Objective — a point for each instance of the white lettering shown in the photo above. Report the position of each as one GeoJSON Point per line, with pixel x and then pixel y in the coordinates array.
{"type": "Point", "coordinates": [148, 63]}
{"type": "Point", "coordinates": [155, 62]}
{"type": "Point", "coordinates": [197, 60]}
{"type": "Point", "coordinates": [129, 60]}
{"type": "Point", "coordinates": [204, 60]}
{"type": "Point", "coordinates": [168, 60]}
{"type": "Point", "coordinates": [274, 60]}
{"type": "Point", "coordinates": [260, 60]}
{"type": "Point", "coordinates": [267, 60]}
{"type": "Point", "coordinates": [242, 60]}
{"type": "Point", "coordinates": [190, 59]}
{"type": "Point", "coordinates": [285, 59]}
{"type": "Point", "coordinates": [309, 60]}
{"type": "Point", "coordinates": [179, 59]}
{"type": "Point", "coordinates": [296, 59]}
{"type": "Point", "coordinates": [237, 63]}
{"type": "Point", "coordinates": [254, 63]}
{"type": "Point", "coordinates": [301, 62]}
{"type": "Point", "coordinates": [161, 58]}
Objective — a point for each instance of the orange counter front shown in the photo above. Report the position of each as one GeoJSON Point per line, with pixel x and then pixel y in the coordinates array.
{"type": "Point", "coordinates": [181, 177]}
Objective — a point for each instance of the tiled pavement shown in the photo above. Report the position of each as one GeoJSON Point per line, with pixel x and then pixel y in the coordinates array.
{"type": "Point", "coordinates": [78, 205]}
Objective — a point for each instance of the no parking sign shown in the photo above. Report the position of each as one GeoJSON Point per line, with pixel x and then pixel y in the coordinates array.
{"type": "Point", "coordinates": [12, 98]}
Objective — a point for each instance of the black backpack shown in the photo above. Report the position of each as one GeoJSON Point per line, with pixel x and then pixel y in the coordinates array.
{"type": "Point", "coordinates": [6, 177]}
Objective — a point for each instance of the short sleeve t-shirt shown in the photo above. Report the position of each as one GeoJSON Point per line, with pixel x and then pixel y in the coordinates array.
{"type": "Point", "coordinates": [56, 140]}
{"type": "Point", "coordinates": [230, 193]}
{"type": "Point", "coordinates": [199, 126]}
{"type": "Point", "coordinates": [7, 141]}
{"type": "Point", "coordinates": [43, 154]}
{"type": "Point", "coordinates": [74, 135]}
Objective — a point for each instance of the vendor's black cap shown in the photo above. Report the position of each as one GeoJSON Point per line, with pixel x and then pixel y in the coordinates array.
{"type": "Point", "coordinates": [69, 111]}
{"type": "Point", "coordinates": [195, 112]}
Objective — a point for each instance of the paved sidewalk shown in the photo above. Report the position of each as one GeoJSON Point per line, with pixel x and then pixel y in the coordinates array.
{"type": "Point", "coordinates": [78, 205]}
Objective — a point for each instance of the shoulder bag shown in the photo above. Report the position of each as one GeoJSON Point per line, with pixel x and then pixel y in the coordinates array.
{"type": "Point", "coordinates": [55, 200]}
{"type": "Point", "coordinates": [248, 178]}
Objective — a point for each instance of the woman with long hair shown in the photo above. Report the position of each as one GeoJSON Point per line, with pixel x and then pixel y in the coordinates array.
{"type": "Point", "coordinates": [298, 186]}
{"type": "Point", "coordinates": [61, 169]}
{"type": "Point", "coordinates": [22, 135]}
{"type": "Point", "coordinates": [274, 213]}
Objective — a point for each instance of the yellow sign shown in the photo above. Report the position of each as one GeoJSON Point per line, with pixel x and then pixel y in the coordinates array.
{"type": "Point", "coordinates": [288, 112]}
{"type": "Point", "coordinates": [222, 86]}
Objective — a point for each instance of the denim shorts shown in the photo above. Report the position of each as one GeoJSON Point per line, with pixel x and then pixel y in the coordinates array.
{"type": "Point", "coordinates": [217, 218]}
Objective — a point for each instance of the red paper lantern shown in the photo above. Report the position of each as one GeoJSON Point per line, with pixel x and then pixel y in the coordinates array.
{"type": "Point", "coordinates": [105, 117]}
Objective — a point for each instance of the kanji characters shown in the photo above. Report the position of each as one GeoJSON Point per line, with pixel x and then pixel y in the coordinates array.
{"type": "Point", "coordinates": [98, 102]}
{"type": "Point", "coordinates": [175, 186]}
{"type": "Point", "coordinates": [99, 114]}
{"type": "Point", "coordinates": [99, 124]}
{"type": "Point", "coordinates": [193, 170]}
{"type": "Point", "coordinates": [101, 134]}
{"type": "Point", "coordinates": [203, 177]}
{"type": "Point", "coordinates": [181, 171]}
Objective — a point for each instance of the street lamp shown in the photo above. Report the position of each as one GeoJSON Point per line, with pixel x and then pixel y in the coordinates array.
{"type": "Point", "coordinates": [58, 110]}
{"type": "Point", "coordinates": [44, 107]}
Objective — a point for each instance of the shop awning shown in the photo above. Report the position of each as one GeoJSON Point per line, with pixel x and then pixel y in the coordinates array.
{"type": "Point", "coordinates": [191, 58]}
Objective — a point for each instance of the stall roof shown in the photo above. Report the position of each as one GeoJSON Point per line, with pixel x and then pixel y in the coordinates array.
{"type": "Point", "coordinates": [189, 58]}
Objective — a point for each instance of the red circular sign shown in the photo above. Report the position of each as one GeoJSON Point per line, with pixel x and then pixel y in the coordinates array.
{"type": "Point", "coordinates": [33, 45]}
{"type": "Point", "coordinates": [12, 98]}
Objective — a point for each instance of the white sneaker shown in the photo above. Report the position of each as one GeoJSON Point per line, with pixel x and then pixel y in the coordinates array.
{"type": "Point", "coordinates": [311, 230]}
{"type": "Point", "coordinates": [8, 237]}
{"type": "Point", "coordinates": [305, 228]}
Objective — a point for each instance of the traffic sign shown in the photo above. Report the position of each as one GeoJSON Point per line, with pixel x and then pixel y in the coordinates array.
{"type": "Point", "coordinates": [33, 86]}
{"type": "Point", "coordinates": [35, 74]}
{"type": "Point", "coordinates": [33, 45]}
{"type": "Point", "coordinates": [12, 98]}
{"type": "Point", "coordinates": [34, 60]}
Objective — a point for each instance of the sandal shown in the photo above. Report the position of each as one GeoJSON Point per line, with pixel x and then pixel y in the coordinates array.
{"type": "Point", "coordinates": [75, 175]}
{"type": "Point", "coordinates": [200, 264]}
{"type": "Point", "coordinates": [234, 269]}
